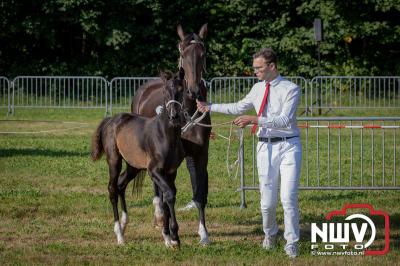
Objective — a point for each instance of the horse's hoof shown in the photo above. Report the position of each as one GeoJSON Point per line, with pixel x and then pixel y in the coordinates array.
{"type": "Point", "coordinates": [172, 244]}
{"type": "Point", "coordinates": [167, 240]}
{"type": "Point", "coordinates": [121, 242]}
{"type": "Point", "coordinates": [205, 242]}
{"type": "Point", "coordinates": [175, 244]}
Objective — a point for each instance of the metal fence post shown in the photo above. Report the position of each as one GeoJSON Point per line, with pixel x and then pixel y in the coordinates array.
{"type": "Point", "coordinates": [107, 95]}
{"type": "Point", "coordinates": [241, 160]}
{"type": "Point", "coordinates": [11, 99]}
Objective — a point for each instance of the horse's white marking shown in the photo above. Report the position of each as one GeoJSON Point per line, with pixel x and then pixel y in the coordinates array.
{"type": "Point", "coordinates": [174, 243]}
{"type": "Point", "coordinates": [158, 211]}
{"type": "Point", "coordinates": [203, 235]}
{"type": "Point", "coordinates": [167, 240]}
{"type": "Point", "coordinates": [118, 233]}
{"type": "Point", "coordinates": [124, 221]}
{"type": "Point", "coordinates": [159, 109]}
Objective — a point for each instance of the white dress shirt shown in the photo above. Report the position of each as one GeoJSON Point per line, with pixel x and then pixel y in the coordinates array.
{"type": "Point", "coordinates": [278, 118]}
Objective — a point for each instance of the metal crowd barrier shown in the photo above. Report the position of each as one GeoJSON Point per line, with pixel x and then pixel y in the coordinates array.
{"type": "Point", "coordinates": [59, 92]}
{"type": "Point", "coordinates": [122, 90]}
{"type": "Point", "coordinates": [338, 92]}
{"type": "Point", "coordinates": [321, 93]}
{"type": "Point", "coordinates": [232, 89]}
{"type": "Point", "coordinates": [339, 153]}
{"type": "Point", "coordinates": [5, 93]}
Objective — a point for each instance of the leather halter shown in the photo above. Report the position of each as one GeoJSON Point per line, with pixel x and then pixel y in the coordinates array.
{"type": "Point", "coordinates": [182, 50]}
{"type": "Point", "coordinates": [172, 102]}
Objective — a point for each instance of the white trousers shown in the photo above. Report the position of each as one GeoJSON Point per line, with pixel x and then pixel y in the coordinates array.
{"type": "Point", "coordinates": [273, 159]}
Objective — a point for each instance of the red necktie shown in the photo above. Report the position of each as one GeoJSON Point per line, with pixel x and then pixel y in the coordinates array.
{"type": "Point", "coordinates": [263, 103]}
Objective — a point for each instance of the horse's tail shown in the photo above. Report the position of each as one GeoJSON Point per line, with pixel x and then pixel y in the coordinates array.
{"type": "Point", "coordinates": [138, 183]}
{"type": "Point", "coordinates": [97, 143]}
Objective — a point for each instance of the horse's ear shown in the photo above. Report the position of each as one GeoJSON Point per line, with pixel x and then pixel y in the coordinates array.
{"type": "Point", "coordinates": [180, 32]}
{"type": "Point", "coordinates": [163, 75]}
{"type": "Point", "coordinates": [203, 31]}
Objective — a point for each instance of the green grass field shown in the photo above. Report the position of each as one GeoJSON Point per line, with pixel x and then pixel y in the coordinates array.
{"type": "Point", "coordinates": [54, 206]}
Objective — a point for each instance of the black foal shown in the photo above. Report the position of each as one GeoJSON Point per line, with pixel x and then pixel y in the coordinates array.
{"type": "Point", "coordinates": [145, 143]}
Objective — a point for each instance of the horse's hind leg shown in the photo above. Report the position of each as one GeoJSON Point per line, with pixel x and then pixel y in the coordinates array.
{"type": "Point", "coordinates": [114, 165]}
{"type": "Point", "coordinates": [123, 181]}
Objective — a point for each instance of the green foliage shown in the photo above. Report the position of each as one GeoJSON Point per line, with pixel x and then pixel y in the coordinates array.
{"type": "Point", "coordinates": [135, 37]}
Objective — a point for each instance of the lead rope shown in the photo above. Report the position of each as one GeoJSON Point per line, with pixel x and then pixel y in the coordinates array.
{"type": "Point", "coordinates": [229, 167]}
{"type": "Point", "coordinates": [193, 122]}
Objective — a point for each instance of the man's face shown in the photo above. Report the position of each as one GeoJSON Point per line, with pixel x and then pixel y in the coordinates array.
{"type": "Point", "coordinates": [262, 68]}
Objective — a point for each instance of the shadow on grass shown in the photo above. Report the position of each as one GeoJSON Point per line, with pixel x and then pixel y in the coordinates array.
{"type": "Point", "coordinates": [40, 152]}
{"type": "Point", "coordinates": [333, 196]}
{"type": "Point", "coordinates": [229, 204]}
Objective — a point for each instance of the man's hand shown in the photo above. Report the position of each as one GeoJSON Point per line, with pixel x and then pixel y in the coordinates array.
{"type": "Point", "coordinates": [202, 106]}
{"type": "Point", "coordinates": [244, 120]}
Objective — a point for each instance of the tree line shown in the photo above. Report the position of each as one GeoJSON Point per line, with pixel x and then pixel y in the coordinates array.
{"type": "Point", "coordinates": [137, 37]}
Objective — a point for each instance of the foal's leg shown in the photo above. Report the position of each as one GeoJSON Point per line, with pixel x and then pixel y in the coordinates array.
{"type": "Point", "coordinates": [170, 229]}
{"type": "Point", "coordinates": [123, 181]}
{"type": "Point", "coordinates": [170, 198]}
{"type": "Point", "coordinates": [197, 167]}
{"type": "Point", "coordinates": [166, 216]}
{"type": "Point", "coordinates": [158, 207]}
{"type": "Point", "coordinates": [167, 186]}
{"type": "Point", "coordinates": [114, 165]}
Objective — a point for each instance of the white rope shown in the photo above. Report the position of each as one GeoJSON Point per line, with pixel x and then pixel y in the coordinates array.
{"type": "Point", "coordinates": [193, 122]}
{"type": "Point", "coordinates": [43, 131]}
{"type": "Point", "coordinates": [197, 122]}
{"type": "Point", "coordinates": [347, 126]}
{"type": "Point", "coordinates": [229, 167]}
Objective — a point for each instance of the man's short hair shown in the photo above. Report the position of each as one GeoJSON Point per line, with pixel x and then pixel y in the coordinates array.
{"type": "Point", "coordinates": [268, 54]}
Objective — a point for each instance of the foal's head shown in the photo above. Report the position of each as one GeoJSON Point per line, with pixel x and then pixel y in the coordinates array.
{"type": "Point", "coordinates": [192, 59]}
{"type": "Point", "coordinates": [173, 95]}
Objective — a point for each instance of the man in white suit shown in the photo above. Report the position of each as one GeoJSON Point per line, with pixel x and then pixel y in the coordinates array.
{"type": "Point", "coordinates": [275, 100]}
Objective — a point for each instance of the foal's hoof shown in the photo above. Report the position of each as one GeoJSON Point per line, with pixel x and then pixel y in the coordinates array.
{"type": "Point", "coordinates": [173, 244]}
{"type": "Point", "coordinates": [205, 241]}
{"type": "Point", "coordinates": [158, 222]}
{"type": "Point", "coordinates": [169, 243]}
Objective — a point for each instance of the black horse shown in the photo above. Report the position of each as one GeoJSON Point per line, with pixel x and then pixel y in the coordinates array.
{"type": "Point", "coordinates": [195, 140]}
{"type": "Point", "coordinates": [145, 143]}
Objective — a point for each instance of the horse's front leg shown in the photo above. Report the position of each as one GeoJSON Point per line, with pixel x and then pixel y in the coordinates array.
{"type": "Point", "coordinates": [199, 177]}
{"type": "Point", "coordinates": [169, 197]}
{"type": "Point", "coordinates": [166, 218]}
{"type": "Point", "coordinates": [168, 189]}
